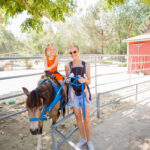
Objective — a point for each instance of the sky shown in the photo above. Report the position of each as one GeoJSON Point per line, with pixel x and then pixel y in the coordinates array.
{"type": "Point", "coordinates": [14, 27]}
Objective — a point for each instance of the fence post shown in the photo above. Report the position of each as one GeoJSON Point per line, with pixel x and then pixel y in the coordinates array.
{"type": "Point", "coordinates": [98, 105]}
{"type": "Point", "coordinates": [129, 64]}
{"type": "Point", "coordinates": [54, 139]}
{"type": "Point", "coordinates": [95, 77]}
{"type": "Point", "coordinates": [136, 98]}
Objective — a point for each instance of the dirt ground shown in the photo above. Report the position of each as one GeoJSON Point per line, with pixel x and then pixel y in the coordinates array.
{"type": "Point", "coordinates": [120, 127]}
{"type": "Point", "coordinates": [126, 128]}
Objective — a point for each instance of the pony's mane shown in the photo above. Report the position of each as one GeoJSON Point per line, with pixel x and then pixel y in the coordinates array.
{"type": "Point", "coordinates": [34, 99]}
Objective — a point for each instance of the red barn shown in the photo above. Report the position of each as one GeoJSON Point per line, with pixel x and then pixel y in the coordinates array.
{"type": "Point", "coordinates": [138, 51]}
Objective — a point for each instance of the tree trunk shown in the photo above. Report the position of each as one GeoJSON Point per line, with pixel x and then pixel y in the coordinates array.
{"type": "Point", "coordinates": [102, 42]}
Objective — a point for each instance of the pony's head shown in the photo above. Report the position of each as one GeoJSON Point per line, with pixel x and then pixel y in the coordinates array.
{"type": "Point", "coordinates": [34, 105]}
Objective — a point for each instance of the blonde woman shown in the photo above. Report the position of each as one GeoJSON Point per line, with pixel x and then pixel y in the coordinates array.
{"type": "Point", "coordinates": [77, 102]}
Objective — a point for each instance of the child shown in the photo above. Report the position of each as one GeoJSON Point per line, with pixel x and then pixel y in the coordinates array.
{"type": "Point", "coordinates": [51, 61]}
{"type": "Point", "coordinates": [72, 92]}
{"type": "Point", "coordinates": [51, 64]}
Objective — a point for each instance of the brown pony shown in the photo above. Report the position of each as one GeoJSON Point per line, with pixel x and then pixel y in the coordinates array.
{"type": "Point", "coordinates": [35, 102]}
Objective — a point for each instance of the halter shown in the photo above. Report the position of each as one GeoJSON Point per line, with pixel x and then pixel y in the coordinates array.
{"type": "Point", "coordinates": [57, 97]}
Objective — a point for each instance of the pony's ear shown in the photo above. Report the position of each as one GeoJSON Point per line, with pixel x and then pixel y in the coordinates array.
{"type": "Point", "coordinates": [25, 90]}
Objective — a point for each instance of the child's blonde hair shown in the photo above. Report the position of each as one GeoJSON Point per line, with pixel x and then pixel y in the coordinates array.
{"type": "Point", "coordinates": [51, 45]}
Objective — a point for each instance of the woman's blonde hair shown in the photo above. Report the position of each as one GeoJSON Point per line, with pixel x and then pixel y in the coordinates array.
{"type": "Point", "coordinates": [74, 46]}
{"type": "Point", "coordinates": [51, 45]}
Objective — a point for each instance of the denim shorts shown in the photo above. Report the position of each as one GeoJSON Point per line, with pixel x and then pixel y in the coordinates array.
{"type": "Point", "coordinates": [78, 101]}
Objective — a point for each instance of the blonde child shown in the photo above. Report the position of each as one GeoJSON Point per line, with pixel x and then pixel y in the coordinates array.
{"type": "Point", "coordinates": [51, 61]}
{"type": "Point", "coordinates": [51, 64]}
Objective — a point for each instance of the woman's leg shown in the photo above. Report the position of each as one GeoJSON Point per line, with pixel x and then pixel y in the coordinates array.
{"type": "Point", "coordinates": [80, 124]}
{"type": "Point", "coordinates": [87, 123]}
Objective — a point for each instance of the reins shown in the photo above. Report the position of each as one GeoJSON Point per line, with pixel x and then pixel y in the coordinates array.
{"type": "Point", "coordinates": [57, 97]}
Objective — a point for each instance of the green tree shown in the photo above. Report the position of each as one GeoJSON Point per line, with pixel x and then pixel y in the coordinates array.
{"type": "Point", "coordinates": [106, 29]}
{"type": "Point", "coordinates": [55, 10]}
{"type": "Point", "coordinates": [112, 3]}
{"type": "Point", "coordinates": [145, 26]}
{"type": "Point", "coordinates": [127, 21]}
{"type": "Point", "coordinates": [98, 26]}
{"type": "Point", "coordinates": [9, 43]}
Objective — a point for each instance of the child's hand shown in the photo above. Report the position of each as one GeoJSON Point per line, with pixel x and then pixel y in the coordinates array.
{"type": "Point", "coordinates": [68, 80]}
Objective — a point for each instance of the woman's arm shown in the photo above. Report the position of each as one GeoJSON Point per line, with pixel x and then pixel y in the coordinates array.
{"type": "Point", "coordinates": [88, 79]}
{"type": "Point", "coordinates": [55, 64]}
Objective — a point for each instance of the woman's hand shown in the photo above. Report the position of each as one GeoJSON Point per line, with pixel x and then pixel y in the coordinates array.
{"type": "Point", "coordinates": [82, 80]}
{"type": "Point", "coordinates": [67, 81]}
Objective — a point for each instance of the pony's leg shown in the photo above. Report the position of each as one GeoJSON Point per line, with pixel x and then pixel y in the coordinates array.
{"type": "Point", "coordinates": [55, 118]}
{"type": "Point", "coordinates": [41, 127]}
{"type": "Point", "coordinates": [39, 142]}
{"type": "Point", "coordinates": [40, 136]}
{"type": "Point", "coordinates": [54, 113]}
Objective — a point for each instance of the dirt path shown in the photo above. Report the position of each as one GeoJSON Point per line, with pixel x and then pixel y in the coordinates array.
{"type": "Point", "coordinates": [127, 129]}
{"type": "Point", "coordinates": [122, 127]}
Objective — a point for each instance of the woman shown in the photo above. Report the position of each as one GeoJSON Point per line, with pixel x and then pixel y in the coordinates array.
{"type": "Point", "coordinates": [77, 104]}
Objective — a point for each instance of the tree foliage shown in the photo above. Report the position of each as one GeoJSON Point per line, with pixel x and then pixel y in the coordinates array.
{"type": "Point", "coordinates": [112, 3]}
{"type": "Point", "coordinates": [100, 31]}
{"type": "Point", "coordinates": [145, 26]}
{"type": "Point", "coordinates": [9, 43]}
{"type": "Point", "coordinates": [99, 26]}
{"type": "Point", "coordinates": [55, 10]}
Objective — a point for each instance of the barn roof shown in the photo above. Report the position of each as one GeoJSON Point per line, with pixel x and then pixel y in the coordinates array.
{"type": "Point", "coordinates": [142, 37]}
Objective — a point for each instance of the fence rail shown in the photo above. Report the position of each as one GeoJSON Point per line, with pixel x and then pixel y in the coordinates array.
{"type": "Point", "coordinates": [135, 92]}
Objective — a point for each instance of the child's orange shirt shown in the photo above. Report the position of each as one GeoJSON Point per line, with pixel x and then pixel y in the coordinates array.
{"type": "Point", "coordinates": [50, 63]}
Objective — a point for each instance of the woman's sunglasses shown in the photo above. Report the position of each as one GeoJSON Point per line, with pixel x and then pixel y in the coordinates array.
{"type": "Point", "coordinates": [74, 52]}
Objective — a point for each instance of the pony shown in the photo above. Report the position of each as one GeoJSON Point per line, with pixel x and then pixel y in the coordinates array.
{"type": "Point", "coordinates": [42, 97]}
